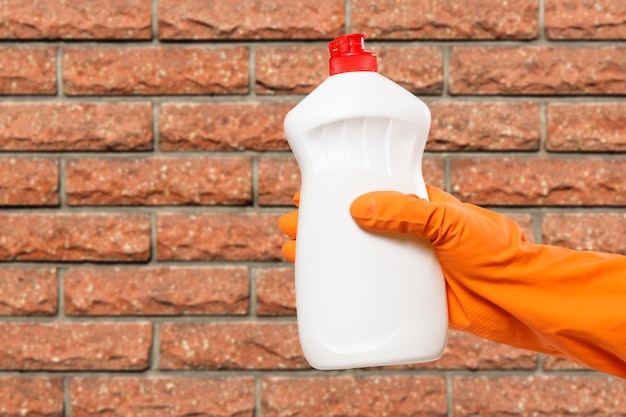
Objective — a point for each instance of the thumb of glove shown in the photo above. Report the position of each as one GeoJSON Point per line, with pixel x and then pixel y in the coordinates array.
{"type": "Point", "coordinates": [401, 213]}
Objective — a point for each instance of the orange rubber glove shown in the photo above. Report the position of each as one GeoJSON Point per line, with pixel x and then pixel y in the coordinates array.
{"type": "Point", "coordinates": [543, 298]}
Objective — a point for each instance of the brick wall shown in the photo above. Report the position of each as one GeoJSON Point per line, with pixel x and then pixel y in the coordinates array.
{"type": "Point", "coordinates": [144, 167]}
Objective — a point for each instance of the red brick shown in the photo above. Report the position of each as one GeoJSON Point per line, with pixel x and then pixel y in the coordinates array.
{"type": "Point", "coordinates": [80, 19]}
{"type": "Point", "coordinates": [75, 346]}
{"type": "Point", "coordinates": [29, 182]}
{"type": "Point", "coordinates": [159, 181]}
{"type": "Point", "coordinates": [585, 19]}
{"type": "Point", "coordinates": [222, 126]}
{"type": "Point", "coordinates": [602, 232]}
{"type": "Point", "coordinates": [27, 70]}
{"type": "Point", "coordinates": [163, 396]}
{"type": "Point", "coordinates": [270, 19]}
{"type": "Point", "coordinates": [525, 221]}
{"type": "Point", "coordinates": [433, 170]}
{"type": "Point", "coordinates": [298, 70]}
{"type": "Point", "coordinates": [75, 126]}
{"type": "Point", "coordinates": [554, 363]}
{"type": "Point", "coordinates": [219, 236]}
{"type": "Point", "coordinates": [354, 396]}
{"type": "Point", "coordinates": [432, 19]}
{"type": "Point", "coordinates": [538, 70]}
{"type": "Point", "coordinates": [156, 291]}
{"type": "Point", "coordinates": [290, 69]}
{"type": "Point", "coordinates": [418, 69]}
{"type": "Point", "coordinates": [586, 127]}
{"type": "Point", "coordinates": [279, 179]}
{"type": "Point", "coordinates": [28, 291]}
{"type": "Point", "coordinates": [538, 395]}
{"type": "Point", "coordinates": [155, 70]}
{"type": "Point", "coordinates": [230, 345]}
{"type": "Point", "coordinates": [540, 181]}
{"type": "Point", "coordinates": [74, 237]}
{"type": "Point", "coordinates": [36, 397]}
{"type": "Point", "coordinates": [480, 126]}
{"type": "Point", "coordinates": [275, 290]}
{"type": "Point", "coordinates": [466, 351]}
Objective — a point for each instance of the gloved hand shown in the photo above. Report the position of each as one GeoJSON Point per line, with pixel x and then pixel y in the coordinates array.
{"type": "Point", "coordinates": [543, 298]}
{"type": "Point", "coordinates": [288, 223]}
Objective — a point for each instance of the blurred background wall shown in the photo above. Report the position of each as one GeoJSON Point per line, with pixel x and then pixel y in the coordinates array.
{"type": "Point", "coordinates": [143, 168]}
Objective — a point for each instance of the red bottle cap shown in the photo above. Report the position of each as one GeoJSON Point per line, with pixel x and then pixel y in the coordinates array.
{"type": "Point", "coordinates": [347, 54]}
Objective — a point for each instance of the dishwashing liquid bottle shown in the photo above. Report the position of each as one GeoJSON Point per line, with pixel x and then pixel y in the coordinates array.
{"type": "Point", "coordinates": [363, 299]}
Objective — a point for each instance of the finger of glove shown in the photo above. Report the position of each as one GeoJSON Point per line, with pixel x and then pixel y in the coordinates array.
{"type": "Point", "coordinates": [296, 199]}
{"type": "Point", "coordinates": [289, 251]}
{"type": "Point", "coordinates": [288, 223]}
{"type": "Point", "coordinates": [398, 212]}
{"type": "Point", "coordinates": [438, 195]}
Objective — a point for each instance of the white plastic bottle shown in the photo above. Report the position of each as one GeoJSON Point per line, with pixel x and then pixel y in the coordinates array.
{"type": "Point", "coordinates": [363, 299]}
